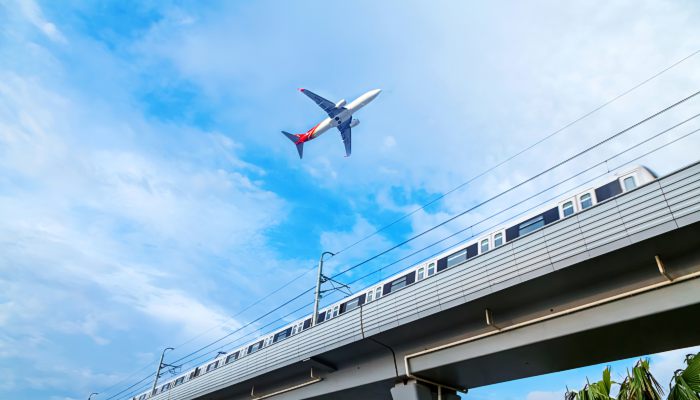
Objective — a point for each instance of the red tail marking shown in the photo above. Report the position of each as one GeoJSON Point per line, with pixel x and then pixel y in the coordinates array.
{"type": "Point", "coordinates": [305, 137]}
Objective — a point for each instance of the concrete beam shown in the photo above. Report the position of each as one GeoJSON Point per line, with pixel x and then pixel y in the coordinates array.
{"type": "Point", "coordinates": [644, 323]}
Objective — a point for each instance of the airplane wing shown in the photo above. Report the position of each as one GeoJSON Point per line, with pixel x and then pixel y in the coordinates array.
{"type": "Point", "coordinates": [346, 134]}
{"type": "Point", "coordinates": [327, 105]}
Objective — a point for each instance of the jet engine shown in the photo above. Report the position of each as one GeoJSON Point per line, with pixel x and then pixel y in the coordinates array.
{"type": "Point", "coordinates": [340, 103]}
{"type": "Point", "coordinates": [354, 122]}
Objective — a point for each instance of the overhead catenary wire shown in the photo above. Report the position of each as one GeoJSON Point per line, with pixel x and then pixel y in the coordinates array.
{"type": "Point", "coordinates": [236, 331]}
{"type": "Point", "coordinates": [251, 305]}
{"type": "Point", "coordinates": [107, 390]}
{"type": "Point", "coordinates": [244, 326]}
{"type": "Point", "coordinates": [260, 300]}
{"type": "Point", "coordinates": [520, 152]}
{"type": "Point", "coordinates": [233, 343]}
{"type": "Point", "coordinates": [136, 391]}
{"type": "Point", "coordinates": [132, 386]}
{"type": "Point", "coordinates": [147, 385]}
{"type": "Point", "coordinates": [547, 201]}
{"type": "Point", "coordinates": [528, 180]}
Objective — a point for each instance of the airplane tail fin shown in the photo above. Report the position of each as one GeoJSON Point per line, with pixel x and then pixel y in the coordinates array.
{"type": "Point", "coordinates": [295, 139]}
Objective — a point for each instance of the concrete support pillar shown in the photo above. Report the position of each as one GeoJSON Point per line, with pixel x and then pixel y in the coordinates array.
{"type": "Point", "coordinates": [412, 390]}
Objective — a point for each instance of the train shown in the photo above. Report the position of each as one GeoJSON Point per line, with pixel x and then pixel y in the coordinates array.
{"type": "Point", "coordinates": [579, 200]}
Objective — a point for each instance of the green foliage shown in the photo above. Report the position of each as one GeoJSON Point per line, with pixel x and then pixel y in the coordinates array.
{"type": "Point", "coordinates": [685, 384]}
{"type": "Point", "coordinates": [594, 391]}
{"type": "Point", "coordinates": [640, 384]}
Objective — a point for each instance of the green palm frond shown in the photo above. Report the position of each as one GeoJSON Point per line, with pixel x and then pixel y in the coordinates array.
{"type": "Point", "coordinates": [593, 391]}
{"type": "Point", "coordinates": [640, 384]}
{"type": "Point", "coordinates": [685, 384]}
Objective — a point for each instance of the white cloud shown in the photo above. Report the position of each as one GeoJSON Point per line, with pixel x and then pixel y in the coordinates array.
{"type": "Point", "coordinates": [105, 235]}
{"type": "Point", "coordinates": [454, 107]}
{"type": "Point", "coordinates": [663, 365]}
{"type": "Point", "coordinates": [33, 13]}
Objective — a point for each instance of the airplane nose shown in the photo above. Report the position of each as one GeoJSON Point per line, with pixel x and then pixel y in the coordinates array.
{"type": "Point", "coordinates": [374, 93]}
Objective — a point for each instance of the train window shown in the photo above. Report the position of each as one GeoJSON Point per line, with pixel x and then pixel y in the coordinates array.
{"type": "Point", "coordinates": [497, 239]}
{"type": "Point", "coordinates": [352, 304]}
{"type": "Point", "coordinates": [143, 397]}
{"type": "Point", "coordinates": [431, 269]}
{"type": "Point", "coordinates": [456, 258]}
{"type": "Point", "coordinates": [369, 295]}
{"type": "Point", "coordinates": [586, 201]}
{"type": "Point", "coordinates": [629, 183]}
{"type": "Point", "coordinates": [378, 293]}
{"type": "Point", "coordinates": [255, 347]}
{"type": "Point", "coordinates": [420, 273]}
{"type": "Point", "coordinates": [212, 366]}
{"type": "Point", "coordinates": [294, 330]}
{"type": "Point", "coordinates": [164, 387]}
{"type": "Point", "coordinates": [567, 208]}
{"type": "Point", "coordinates": [282, 335]}
{"type": "Point", "coordinates": [232, 357]}
{"type": "Point", "coordinates": [531, 225]}
{"type": "Point", "coordinates": [398, 284]}
{"type": "Point", "coordinates": [179, 381]}
{"type": "Point", "coordinates": [195, 373]}
{"type": "Point", "coordinates": [484, 246]}
{"type": "Point", "coordinates": [335, 311]}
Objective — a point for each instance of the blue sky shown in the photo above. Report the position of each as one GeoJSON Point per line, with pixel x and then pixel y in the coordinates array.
{"type": "Point", "coordinates": [147, 196]}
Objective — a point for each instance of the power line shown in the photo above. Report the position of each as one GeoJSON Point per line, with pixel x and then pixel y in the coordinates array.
{"type": "Point", "coordinates": [539, 174]}
{"type": "Point", "coordinates": [143, 388]}
{"type": "Point", "coordinates": [244, 326]}
{"type": "Point", "coordinates": [510, 158]}
{"type": "Point", "coordinates": [130, 387]}
{"type": "Point", "coordinates": [549, 200]}
{"type": "Point", "coordinates": [239, 339]}
{"type": "Point", "coordinates": [260, 300]}
{"type": "Point", "coordinates": [107, 390]}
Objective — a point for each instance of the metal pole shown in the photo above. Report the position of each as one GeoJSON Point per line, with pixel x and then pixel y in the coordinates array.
{"type": "Point", "coordinates": [314, 317]}
{"type": "Point", "coordinates": [160, 364]}
{"type": "Point", "coordinates": [92, 394]}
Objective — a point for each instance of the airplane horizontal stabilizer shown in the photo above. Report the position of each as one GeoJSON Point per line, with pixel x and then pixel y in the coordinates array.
{"type": "Point", "coordinates": [295, 139]}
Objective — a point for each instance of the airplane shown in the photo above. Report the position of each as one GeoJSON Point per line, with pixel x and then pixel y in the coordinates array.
{"type": "Point", "coordinates": [339, 116]}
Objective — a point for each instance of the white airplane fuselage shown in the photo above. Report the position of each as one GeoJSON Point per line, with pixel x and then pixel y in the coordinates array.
{"type": "Point", "coordinates": [341, 117]}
